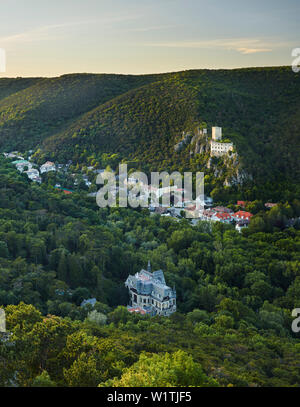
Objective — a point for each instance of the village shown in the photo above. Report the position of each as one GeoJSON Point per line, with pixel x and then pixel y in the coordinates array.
{"type": "Point", "coordinates": [34, 172]}
{"type": "Point", "coordinates": [200, 210]}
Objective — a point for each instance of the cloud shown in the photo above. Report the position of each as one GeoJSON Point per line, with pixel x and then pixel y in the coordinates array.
{"type": "Point", "coordinates": [247, 51]}
{"type": "Point", "coordinates": [244, 46]}
{"type": "Point", "coordinates": [36, 34]}
{"type": "Point", "coordinates": [51, 31]}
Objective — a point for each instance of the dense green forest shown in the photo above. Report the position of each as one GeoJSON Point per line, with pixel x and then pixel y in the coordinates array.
{"type": "Point", "coordinates": [33, 109]}
{"type": "Point", "coordinates": [141, 117]}
{"type": "Point", "coordinates": [235, 294]}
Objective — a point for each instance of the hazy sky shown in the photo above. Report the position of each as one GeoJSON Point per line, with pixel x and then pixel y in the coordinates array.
{"type": "Point", "coordinates": [49, 38]}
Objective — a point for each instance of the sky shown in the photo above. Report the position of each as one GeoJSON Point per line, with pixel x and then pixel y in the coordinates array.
{"type": "Point", "coordinates": [43, 38]}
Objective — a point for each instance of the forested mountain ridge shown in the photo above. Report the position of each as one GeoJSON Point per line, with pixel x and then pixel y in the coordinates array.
{"type": "Point", "coordinates": [10, 86]}
{"type": "Point", "coordinates": [142, 117]}
{"type": "Point", "coordinates": [257, 107]}
{"type": "Point", "coordinates": [46, 105]}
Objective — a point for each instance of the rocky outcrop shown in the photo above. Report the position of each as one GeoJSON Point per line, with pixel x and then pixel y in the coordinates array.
{"type": "Point", "coordinates": [238, 178]}
{"type": "Point", "coordinates": [186, 139]}
{"type": "Point", "coordinates": [226, 167]}
{"type": "Point", "coordinates": [196, 139]}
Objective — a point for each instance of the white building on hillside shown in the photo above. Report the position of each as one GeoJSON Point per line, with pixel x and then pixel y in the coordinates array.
{"type": "Point", "coordinates": [22, 164]}
{"type": "Point", "coordinates": [34, 175]}
{"type": "Point", "coordinates": [48, 166]}
{"type": "Point", "coordinates": [242, 224]}
{"type": "Point", "coordinates": [149, 293]}
{"type": "Point", "coordinates": [217, 147]}
{"type": "Point", "coordinates": [217, 133]}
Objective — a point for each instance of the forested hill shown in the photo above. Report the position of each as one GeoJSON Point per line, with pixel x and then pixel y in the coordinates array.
{"type": "Point", "coordinates": [37, 108]}
{"type": "Point", "coordinates": [9, 86]}
{"type": "Point", "coordinates": [141, 117]}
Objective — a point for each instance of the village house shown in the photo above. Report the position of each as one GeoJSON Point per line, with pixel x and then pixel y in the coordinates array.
{"type": "Point", "coordinates": [60, 166]}
{"type": "Point", "coordinates": [218, 214]}
{"type": "Point", "coordinates": [48, 166]}
{"type": "Point", "coordinates": [223, 217]}
{"type": "Point", "coordinates": [208, 201]}
{"type": "Point", "coordinates": [22, 164]}
{"type": "Point", "coordinates": [34, 175]}
{"type": "Point", "coordinates": [166, 215]}
{"type": "Point", "coordinates": [175, 212]}
{"type": "Point", "coordinates": [207, 215]}
{"type": "Point", "coordinates": [270, 205]}
{"type": "Point", "coordinates": [149, 293]}
{"type": "Point", "coordinates": [222, 209]}
{"type": "Point", "coordinates": [242, 224]}
{"type": "Point", "coordinates": [242, 215]}
{"type": "Point", "coordinates": [191, 212]}
{"type": "Point", "coordinates": [13, 154]}
{"type": "Point", "coordinates": [160, 210]}
{"type": "Point", "coordinates": [89, 301]}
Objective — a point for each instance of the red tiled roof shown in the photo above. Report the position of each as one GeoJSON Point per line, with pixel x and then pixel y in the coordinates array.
{"type": "Point", "coordinates": [243, 214]}
{"type": "Point", "coordinates": [222, 209]}
{"type": "Point", "coordinates": [223, 215]}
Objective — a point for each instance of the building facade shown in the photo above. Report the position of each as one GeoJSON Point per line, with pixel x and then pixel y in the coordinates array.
{"type": "Point", "coordinates": [217, 133]}
{"type": "Point", "coordinates": [149, 293]}
{"type": "Point", "coordinates": [242, 215]}
{"type": "Point", "coordinates": [47, 167]}
{"type": "Point", "coordinates": [217, 147]}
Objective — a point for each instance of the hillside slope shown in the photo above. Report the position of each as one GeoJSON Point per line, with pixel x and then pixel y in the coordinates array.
{"type": "Point", "coordinates": [40, 110]}
{"type": "Point", "coordinates": [10, 86]}
{"type": "Point", "coordinates": [258, 109]}
{"type": "Point", "coordinates": [142, 117]}
{"type": "Point", "coordinates": [235, 292]}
